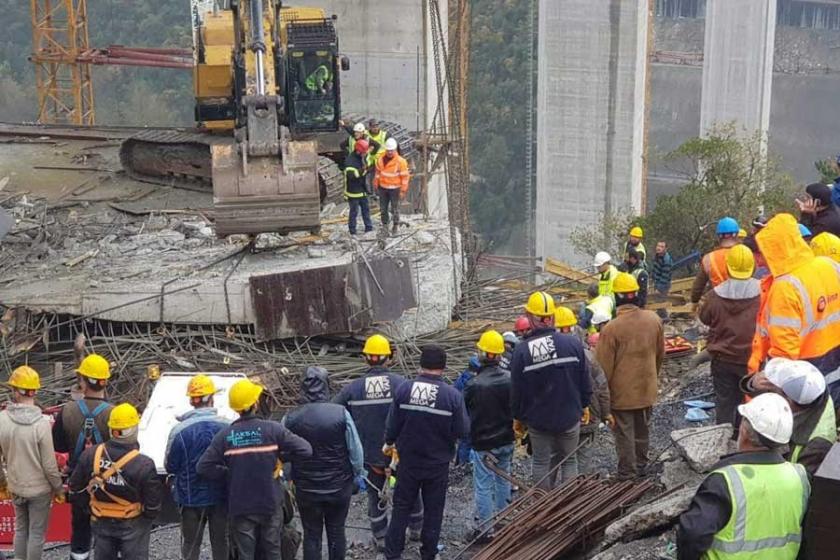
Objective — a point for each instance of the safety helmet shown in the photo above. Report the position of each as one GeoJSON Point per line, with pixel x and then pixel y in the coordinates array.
{"type": "Point", "coordinates": [95, 366]}
{"type": "Point", "coordinates": [200, 386]}
{"type": "Point", "coordinates": [123, 416]}
{"type": "Point", "coordinates": [377, 345]}
{"type": "Point", "coordinates": [491, 342]}
{"type": "Point", "coordinates": [601, 259]}
{"type": "Point", "coordinates": [740, 262]}
{"type": "Point", "coordinates": [636, 231]}
{"type": "Point", "coordinates": [510, 338]}
{"type": "Point", "coordinates": [359, 127]}
{"type": "Point", "coordinates": [599, 318]}
{"type": "Point", "coordinates": [25, 378]}
{"type": "Point", "coordinates": [742, 233]}
{"type": "Point", "coordinates": [361, 146]}
{"type": "Point", "coordinates": [826, 244]}
{"type": "Point", "coordinates": [390, 144]}
{"type": "Point", "coordinates": [522, 324]}
{"type": "Point", "coordinates": [804, 231]}
{"type": "Point", "coordinates": [769, 415]}
{"type": "Point", "coordinates": [727, 226]}
{"type": "Point", "coordinates": [564, 317]}
{"type": "Point", "coordinates": [625, 283]}
{"type": "Point", "coordinates": [243, 395]}
{"type": "Point", "coordinates": [800, 381]}
{"type": "Point", "coordinates": [540, 304]}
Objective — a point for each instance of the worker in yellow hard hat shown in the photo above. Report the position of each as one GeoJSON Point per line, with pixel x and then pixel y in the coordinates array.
{"type": "Point", "coordinates": [368, 399]}
{"type": "Point", "coordinates": [634, 241]}
{"type": "Point", "coordinates": [742, 233]}
{"type": "Point", "coordinates": [551, 389]}
{"type": "Point", "coordinates": [630, 350]}
{"type": "Point", "coordinates": [28, 473]}
{"type": "Point", "coordinates": [826, 244]}
{"type": "Point", "coordinates": [125, 492]}
{"type": "Point", "coordinates": [242, 458]}
{"type": "Point", "coordinates": [81, 424]}
{"type": "Point", "coordinates": [201, 502]}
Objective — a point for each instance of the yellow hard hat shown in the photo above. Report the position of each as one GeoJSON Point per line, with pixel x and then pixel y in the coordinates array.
{"type": "Point", "coordinates": [540, 304]}
{"type": "Point", "coordinates": [740, 262]}
{"type": "Point", "coordinates": [636, 231]}
{"type": "Point", "coordinates": [200, 386]}
{"type": "Point", "coordinates": [377, 345]}
{"type": "Point", "coordinates": [25, 378]}
{"type": "Point", "coordinates": [625, 283]}
{"type": "Point", "coordinates": [123, 416]}
{"type": "Point", "coordinates": [95, 366]}
{"type": "Point", "coordinates": [491, 342]}
{"type": "Point", "coordinates": [826, 245]}
{"type": "Point", "coordinates": [564, 317]}
{"type": "Point", "coordinates": [244, 394]}
{"type": "Point", "coordinates": [742, 233]}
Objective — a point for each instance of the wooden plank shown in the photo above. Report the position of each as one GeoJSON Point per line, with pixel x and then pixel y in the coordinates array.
{"type": "Point", "coordinates": [563, 270]}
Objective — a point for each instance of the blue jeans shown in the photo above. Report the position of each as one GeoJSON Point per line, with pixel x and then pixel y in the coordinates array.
{"type": "Point", "coordinates": [355, 205]}
{"type": "Point", "coordinates": [492, 492]}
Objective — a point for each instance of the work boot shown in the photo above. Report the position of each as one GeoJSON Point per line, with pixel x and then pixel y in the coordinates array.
{"type": "Point", "coordinates": [414, 535]}
{"type": "Point", "coordinates": [379, 543]}
{"type": "Point", "coordinates": [394, 229]}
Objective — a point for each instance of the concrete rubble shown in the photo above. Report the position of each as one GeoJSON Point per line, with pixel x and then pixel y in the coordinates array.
{"type": "Point", "coordinates": [646, 519]}
{"type": "Point", "coordinates": [703, 447]}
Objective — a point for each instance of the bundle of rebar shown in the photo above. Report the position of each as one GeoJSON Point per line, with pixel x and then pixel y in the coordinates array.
{"type": "Point", "coordinates": [552, 524]}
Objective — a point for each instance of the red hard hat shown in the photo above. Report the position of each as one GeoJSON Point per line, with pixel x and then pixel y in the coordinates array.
{"type": "Point", "coordinates": [362, 146]}
{"type": "Point", "coordinates": [522, 324]}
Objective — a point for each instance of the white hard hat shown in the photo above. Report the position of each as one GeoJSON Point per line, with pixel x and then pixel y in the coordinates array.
{"type": "Point", "coordinates": [510, 338]}
{"type": "Point", "coordinates": [600, 317]}
{"type": "Point", "coordinates": [770, 415]}
{"type": "Point", "coordinates": [602, 258]}
{"type": "Point", "coordinates": [390, 144]}
{"type": "Point", "coordinates": [359, 127]}
{"type": "Point", "coordinates": [800, 381]}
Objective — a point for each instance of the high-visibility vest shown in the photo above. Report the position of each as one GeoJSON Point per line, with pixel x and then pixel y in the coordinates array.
{"type": "Point", "coordinates": [826, 429]}
{"type": "Point", "coordinates": [379, 139]}
{"type": "Point", "coordinates": [318, 78]}
{"type": "Point", "coordinates": [392, 173]}
{"type": "Point", "coordinates": [640, 248]}
{"type": "Point", "coordinates": [604, 304]}
{"type": "Point", "coordinates": [605, 283]}
{"type": "Point", "coordinates": [714, 263]}
{"type": "Point", "coordinates": [768, 505]}
{"type": "Point", "coordinates": [117, 508]}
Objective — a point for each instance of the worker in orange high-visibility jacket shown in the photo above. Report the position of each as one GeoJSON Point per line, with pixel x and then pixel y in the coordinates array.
{"type": "Point", "coordinates": [802, 310]}
{"type": "Point", "coordinates": [712, 269]}
{"type": "Point", "coordinates": [391, 182]}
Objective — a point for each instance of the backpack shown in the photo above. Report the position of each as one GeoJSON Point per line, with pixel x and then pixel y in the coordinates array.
{"type": "Point", "coordinates": [90, 433]}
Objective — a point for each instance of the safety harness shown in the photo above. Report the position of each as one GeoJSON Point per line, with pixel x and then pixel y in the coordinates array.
{"type": "Point", "coordinates": [117, 508]}
{"type": "Point", "coordinates": [90, 433]}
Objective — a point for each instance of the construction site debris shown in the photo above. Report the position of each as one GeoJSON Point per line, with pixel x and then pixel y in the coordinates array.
{"type": "Point", "coordinates": [647, 518]}
{"type": "Point", "coordinates": [703, 447]}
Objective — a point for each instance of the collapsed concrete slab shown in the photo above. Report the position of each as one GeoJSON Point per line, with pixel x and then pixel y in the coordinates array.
{"type": "Point", "coordinates": [703, 447]}
{"type": "Point", "coordinates": [643, 520]}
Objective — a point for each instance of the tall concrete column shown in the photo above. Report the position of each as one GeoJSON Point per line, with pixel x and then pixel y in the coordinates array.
{"type": "Point", "coordinates": [590, 116]}
{"type": "Point", "coordinates": [738, 64]}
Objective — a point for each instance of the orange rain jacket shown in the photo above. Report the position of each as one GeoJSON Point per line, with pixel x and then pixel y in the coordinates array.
{"type": "Point", "coordinates": [391, 173]}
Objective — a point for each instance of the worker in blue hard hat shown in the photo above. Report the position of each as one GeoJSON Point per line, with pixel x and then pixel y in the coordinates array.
{"type": "Point", "coordinates": [805, 232]}
{"type": "Point", "coordinates": [712, 269]}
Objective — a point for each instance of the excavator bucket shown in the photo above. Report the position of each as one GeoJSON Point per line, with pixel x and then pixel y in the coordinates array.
{"type": "Point", "coordinates": [266, 193]}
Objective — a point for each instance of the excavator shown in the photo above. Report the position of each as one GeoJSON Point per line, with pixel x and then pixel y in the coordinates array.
{"type": "Point", "coordinates": [268, 113]}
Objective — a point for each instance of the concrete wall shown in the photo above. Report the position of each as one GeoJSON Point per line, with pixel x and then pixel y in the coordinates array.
{"type": "Point", "coordinates": [590, 115]}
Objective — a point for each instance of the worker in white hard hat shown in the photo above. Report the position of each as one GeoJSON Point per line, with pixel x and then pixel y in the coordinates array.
{"type": "Point", "coordinates": [603, 263]}
{"type": "Point", "coordinates": [753, 500]}
{"type": "Point", "coordinates": [355, 132]}
{"type": "Point", "coordinates": [391, 182]}
{"type": "Point", "coordinates": [803, 385]}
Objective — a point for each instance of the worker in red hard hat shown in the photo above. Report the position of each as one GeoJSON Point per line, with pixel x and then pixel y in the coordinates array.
{"type": "Point", "coordinates": [522, 326]}
{"type": "Point", "coordinates": [355, 185]}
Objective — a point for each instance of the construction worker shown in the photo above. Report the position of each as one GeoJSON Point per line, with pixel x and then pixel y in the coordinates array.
{"type": "Point", "coordinates": [325, 482]}
{"type": "Point", "coordinates": [30, 477]}
{"type": "Point", "coordinates": [378, 137]}
{"type": "Point", "coordinates": [369, 398]}
{"type": "Point", "coordinates": [426, 418]}
{"type": "Point", "coordinates": [826, 245]}
{"type": "Point", "coordinates": [608, 272]}
{"type": "Point", "coordinates": [487, 398]}
{"type": "Point", "coordinates": [753, 502]}
{"type": "Point", "coordinates": [245, 455]}
{"type": "Point", "coordinates": [550, 391]}
{"type": "Point", "coordinates": [201, 502]}
{"type": "Point", "coordinates": [663, 268]}
{"type": "Point", "coordinates": [319, 81]}
{"type": "Point", "coordinates": [599, 407]}
{"type": "Point", "coordinates": [595, 302]}
{"type": "Point", "coordinates": [742, 234]}
{"type": "Point", "coordinates": [634, 241]}
{"type": "Point", "coordinates": [123, 489]}
{"type": "Point", "coordinates": [814, 425]}
{"type": "Point", "coordinates": [462, 453]}
{"type": "Point", "coordinates": [712, 270]}
{"type": "Point", "coordinates": [805, 233]}
{"type": "Point", "coordinates": [730, 311]}
{"type": "Point", "coordinates": [635, 265]}
{"type": "Point", "coordinates": [800, 319]}
{"type": "Point", "coordinates": [817, 212]}
{"type": "Point", "coordinates": [82, 424]}
{"type": "Point", "coordinates": [630, 350]}
{"type": "Point", "coordinates": [511, 340]}
{"type": "Point", "coordinates": [355, 187]}
{"type": "Point", "coordinates": [356, 132]}
{"type": "Point", "coordinates": [391, 180]}
{"type": "Point", "coordinates": [521, 327]}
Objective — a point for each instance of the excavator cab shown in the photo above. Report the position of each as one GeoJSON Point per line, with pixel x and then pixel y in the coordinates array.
{"type": "Point", "coordinates": [312, 76]}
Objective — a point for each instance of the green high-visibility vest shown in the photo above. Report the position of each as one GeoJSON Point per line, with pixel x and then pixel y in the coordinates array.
{"type": "Point", "coordinates": [826, 429]}
{"type": "Point", "coordinates": [604, 304]}
{"type": "Point", "coordinates": [379, 139]}
{"type": "Point", "coordinates": [768, 505]}
{"type": "Point", "coordinates": [318, 78]}
{"type": "Point", "coordinates": [605, 283]}
{"type": "Point", "coordinates": [640, 248]}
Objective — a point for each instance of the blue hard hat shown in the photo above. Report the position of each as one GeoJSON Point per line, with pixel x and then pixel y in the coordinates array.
{"type": "Point", "coordinates": [728, 226]}
{"type": "Point", "coordinates": [804, 231]}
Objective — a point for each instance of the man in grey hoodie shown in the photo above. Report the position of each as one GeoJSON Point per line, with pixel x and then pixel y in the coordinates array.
{"type": "Point", "coordinates": [31, 475]}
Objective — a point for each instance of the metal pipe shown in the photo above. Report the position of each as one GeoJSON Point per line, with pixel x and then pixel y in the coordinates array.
{"type": "Point", "coordinates": [258, 43]}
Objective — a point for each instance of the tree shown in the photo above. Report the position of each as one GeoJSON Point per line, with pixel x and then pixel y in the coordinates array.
{"type": "Point", "coordinates": [609, 236]}
{"type": "Point", "coordinates": [828, 169]}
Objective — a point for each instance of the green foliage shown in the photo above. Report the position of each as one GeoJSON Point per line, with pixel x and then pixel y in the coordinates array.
{"type": "Point", "coordinates": [828, 170]}
{"type": "Point", "coordinates": [609, 236]}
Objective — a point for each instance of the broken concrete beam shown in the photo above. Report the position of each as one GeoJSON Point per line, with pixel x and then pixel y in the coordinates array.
{"type": "Point", "coordinates": [655, 515]}
{"type": "Point", "coordinates": [703, 447]}
{"type": "Point", "coordinates": [677, 472]}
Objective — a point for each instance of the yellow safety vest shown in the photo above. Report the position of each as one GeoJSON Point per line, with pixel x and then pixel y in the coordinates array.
{"type": "Point", "coordinates": [604, 304]}
{"type": "Point", "coordinates": [826, 429]}
{"type": "Point", "coordinates": [605, 283]}
{"type": "Point", "coordinates": [379, 139]}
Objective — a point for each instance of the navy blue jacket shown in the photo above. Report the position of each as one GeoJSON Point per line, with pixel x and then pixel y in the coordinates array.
{"type": "Point", "coordinates": [245, 454]}
{"type": "Point", "coordinates": [550, 383]}
{"type": "Point", "coordinates": [426, 418]}
{"type": "Point", "coordinates": [187, 443]}
{"type": "Point", "coordinates": [368, 399]}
